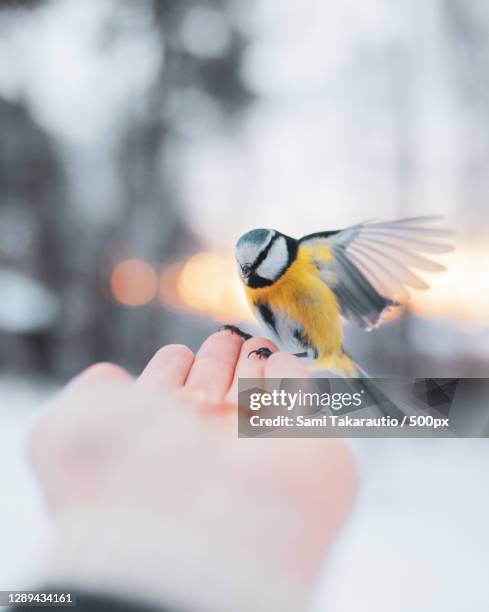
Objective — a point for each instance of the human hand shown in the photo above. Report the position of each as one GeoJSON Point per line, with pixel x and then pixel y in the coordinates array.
{"type": "Point", "coordinates": [160, 501]}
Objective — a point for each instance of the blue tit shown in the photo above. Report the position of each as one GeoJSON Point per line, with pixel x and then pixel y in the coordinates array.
{"type": "Point", "coordinates": [301, 289]}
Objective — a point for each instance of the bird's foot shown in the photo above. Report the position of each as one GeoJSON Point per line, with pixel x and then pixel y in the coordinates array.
{"type": "Point", "coordinates": [235, 330]}
{"type": "Point", "coordinates": [262, 353]}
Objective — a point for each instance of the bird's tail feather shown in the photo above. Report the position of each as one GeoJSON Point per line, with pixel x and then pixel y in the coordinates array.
{"type": "Point", "coordinates": [344, 365]}
{"type": "Point", "coordinates": [385, 404]}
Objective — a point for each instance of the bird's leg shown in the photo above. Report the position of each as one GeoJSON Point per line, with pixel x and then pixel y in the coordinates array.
{"type": "Point", "coordinates": [262, 353]}
{"type": "Point", "coordinates": [235, 330]}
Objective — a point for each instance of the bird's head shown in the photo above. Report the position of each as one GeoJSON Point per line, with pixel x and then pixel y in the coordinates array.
{"type": "Point", "coordinates": [263, 255]}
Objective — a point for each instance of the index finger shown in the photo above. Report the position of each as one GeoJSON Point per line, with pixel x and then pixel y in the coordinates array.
{"type": "Point", "coordinates": [249, 365]}
{"type": "Point", "coordinates": [213, 368]}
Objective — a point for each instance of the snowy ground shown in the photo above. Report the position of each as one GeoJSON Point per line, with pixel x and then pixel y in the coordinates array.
{"type": "Point", "coordinates": [23, 522]}
{"type": "Point", "coordinates": [417, 539]}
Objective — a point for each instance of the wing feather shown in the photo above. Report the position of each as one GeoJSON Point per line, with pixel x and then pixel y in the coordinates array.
{"type": "Point", "coordinates": [399, 270]}
{"type": "Point", "coordinates": [409, 258]}
{"type": "Point", "coordinates": [374, 263]}
{"type": "Point", "coordinates": [388, 284]}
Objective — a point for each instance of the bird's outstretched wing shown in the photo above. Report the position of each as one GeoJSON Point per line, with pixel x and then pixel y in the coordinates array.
{"type": "Point", "coordinates": [369, 266]}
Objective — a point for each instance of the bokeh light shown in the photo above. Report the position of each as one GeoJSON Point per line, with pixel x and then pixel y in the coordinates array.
{"type": "Point", "coordinates": [461, 293]}
{"type": "Point", "coordinates": [133, 282]}
{"type": "Point", "coordinates": [207, 284]}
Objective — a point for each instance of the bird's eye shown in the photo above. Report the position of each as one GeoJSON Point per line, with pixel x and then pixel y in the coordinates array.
{"type": "Point", "coordinates": [246, 269]}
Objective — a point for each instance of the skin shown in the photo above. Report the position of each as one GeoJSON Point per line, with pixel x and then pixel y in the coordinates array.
{"type": "Point", "coordinates": [157, 459]}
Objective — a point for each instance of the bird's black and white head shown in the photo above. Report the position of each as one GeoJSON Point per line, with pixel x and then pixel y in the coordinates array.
{"type": "Point", "coordinates": [263, 255]}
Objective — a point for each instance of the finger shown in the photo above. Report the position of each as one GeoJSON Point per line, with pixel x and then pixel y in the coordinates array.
{"type": "Point", "coordinates": [213, 368]}
{"type": "Point", "coordinates": [284, 365]}
{"type": "Point", "coordinates": [98, 373]}
{"type": "Point", "coordinates": [168, 368]}
{"type": "Point", "coordinates": [249, 365]}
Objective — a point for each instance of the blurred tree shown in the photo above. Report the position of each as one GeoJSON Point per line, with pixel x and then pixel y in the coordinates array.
{"type": "Point", "coordinates": [15, 4]}
{"type": "Point", "coordinates": [197, 84]}
{"type": "Point", "coordinates": [466, 31]}
{"type": "Point", "coordinates": [200, 56]}
{"type": "Point", "coordinates": [35, 225]}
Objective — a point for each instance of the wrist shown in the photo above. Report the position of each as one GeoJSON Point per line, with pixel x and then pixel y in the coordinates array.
{"type": "Point", "coordinates": [181, 567]}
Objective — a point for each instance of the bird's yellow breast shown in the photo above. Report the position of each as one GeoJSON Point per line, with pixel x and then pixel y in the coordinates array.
{"type": "Point", "coordinates": [301, 295]}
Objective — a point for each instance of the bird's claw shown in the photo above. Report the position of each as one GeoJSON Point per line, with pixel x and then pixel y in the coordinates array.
{"type": "Point", "coordinates": [262, 353]}
{"type": "Point", "coordinates": [235, 330]}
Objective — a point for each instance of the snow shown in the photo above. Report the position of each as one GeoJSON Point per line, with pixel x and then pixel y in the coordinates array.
{"type": "Point", "coordinates": [23, 521]}
{"type": "Point", "coordinates": [417, 538]}
{"type": "Point", "coordinates": [26, 305]}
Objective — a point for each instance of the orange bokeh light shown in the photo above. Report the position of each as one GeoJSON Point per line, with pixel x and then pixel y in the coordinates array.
{"type": "Point", "coordinates": [133, 282]}
{"type": "Point", "coordinates": [462, 291]}
{"type": "Point", "coordinates": [208, 284]}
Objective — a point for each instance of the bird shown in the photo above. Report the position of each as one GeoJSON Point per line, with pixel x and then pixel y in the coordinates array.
{"type": "Point", "coordinates": [303, 290]}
